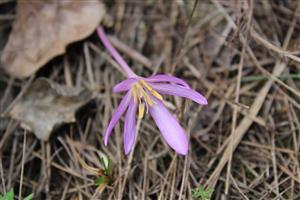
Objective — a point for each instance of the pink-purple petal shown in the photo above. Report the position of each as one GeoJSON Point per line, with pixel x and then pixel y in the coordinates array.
{"type": "Point", "coordinates": [172, 132]}
{"type": "Point", "coordinates": [130, 127]}
{"type": "Point", "coordinates": [177, 90]}
{"type": "Point", "coordinates": [114, 53]}
{"type": "Point", "coordinates": [117, 115]}
{"type": "Point", "coordinates": [124, 85]}
{"type": "Point", "coordinates": [166, 78]}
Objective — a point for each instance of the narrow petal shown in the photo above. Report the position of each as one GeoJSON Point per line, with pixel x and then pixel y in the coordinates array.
{"type": "Point", "coordinates": [114, 53]}
{"type": "Point", "coordinates": [124, 85]}
{"type": "Point", "coordinates": [166, 78]}
{"type": "Point", "coordinates": [179, 91]}
{"type": "Point", "coordinates": [117, 115]}
{"type": "Point", "coordinates": [172, 132]}
{"type": "Point", "coordinates": [130, 127]}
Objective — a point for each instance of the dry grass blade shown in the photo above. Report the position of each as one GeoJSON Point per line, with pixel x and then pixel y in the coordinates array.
{"type": "Point", "coordinates": [244, 125]}
{"type": "Point", "coordinates": [274, 48]}
{"type": "Point", "coordinates": [22, 168]}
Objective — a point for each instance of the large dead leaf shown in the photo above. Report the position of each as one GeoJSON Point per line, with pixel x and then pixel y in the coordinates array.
{"type": "Point", "coordinates": [46, 105]}
{"type": "Point", "coordinates": [43, 29]}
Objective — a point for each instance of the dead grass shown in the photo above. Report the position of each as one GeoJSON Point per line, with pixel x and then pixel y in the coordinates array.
{"type": "Point", "coordinates": [244, 144]}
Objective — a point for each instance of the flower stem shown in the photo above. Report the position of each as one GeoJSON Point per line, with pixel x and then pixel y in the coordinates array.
{"type": "Point", "coordinates": [114, 53]}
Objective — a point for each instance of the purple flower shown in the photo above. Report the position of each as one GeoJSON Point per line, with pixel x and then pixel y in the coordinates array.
{"type": "Point", "coordinates": [145, 94]}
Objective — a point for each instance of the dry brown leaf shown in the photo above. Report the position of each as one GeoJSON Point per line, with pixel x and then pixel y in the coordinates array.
{"type": "Point", "coordinates": [43, 29]}
{"type": "Point", "coordinates": [46, 105]}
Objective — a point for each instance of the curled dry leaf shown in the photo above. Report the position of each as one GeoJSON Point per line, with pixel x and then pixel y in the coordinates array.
{"type": "Point", "coordinates": [46, 105]}
{"type": "Point", "coordinates": [43, 29]}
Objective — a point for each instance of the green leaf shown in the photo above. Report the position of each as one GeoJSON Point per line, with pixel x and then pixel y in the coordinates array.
{"type": "Point", "coordinates": [8, 196]}
{"type": "Point", "coordinates": [29, 197]}
{"type": "Point", "coordinates": [106, 164]}
{"type": "Point", "coordinates": [108, 169]}
{"type": "Point", "coordinates": [201, 193]}
{"type": "Point", "coordinates": [100, 180]}
{"type": "Point", "coordinates": [104, 161]}
{"type": "Point", "coordinates": [263, 77]}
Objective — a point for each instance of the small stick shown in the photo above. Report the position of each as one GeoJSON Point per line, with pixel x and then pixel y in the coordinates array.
{"type": "Point", "coordinates": [22, 166]}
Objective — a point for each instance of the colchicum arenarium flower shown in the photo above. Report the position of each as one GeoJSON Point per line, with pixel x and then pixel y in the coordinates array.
{"type": "Point", "coordinates": [145, 94]}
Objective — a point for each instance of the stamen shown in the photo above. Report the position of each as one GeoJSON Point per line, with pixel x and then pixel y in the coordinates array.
{"type": "Point", "coordinates": [140, 91]}
{"type": "Point", "coordinates": [141, 110]}
{"type": "Point", "coordinates": [147, 108]}
{"type": "Point", "coordinates": [152, 91]}
{"type": "Point", "coordinates": [147, 98]}
{"type": "Point", "coordinates": [156, 94]}
{"type": "Point", "coordinates": [134, 94]}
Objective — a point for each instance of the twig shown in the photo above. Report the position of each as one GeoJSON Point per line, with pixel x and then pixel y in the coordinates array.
{"type": "Point", "coordinates": [22, 168]}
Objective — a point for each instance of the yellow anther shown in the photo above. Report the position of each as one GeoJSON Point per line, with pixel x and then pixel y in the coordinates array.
{"type": "Point", "coordinates": [147, 98]}
{"type": "Point", "coordinates": [140, 91]}
{"type": "Point", "coordinates": [135, 94]}
{"type": "Point", "coordinates": [141, 110]}
{"type": "Point", "coordinates": [146, 85]}
{"type": "Point", "coordinates": [152, 91]}
{"type": "Point", "coordinates": [156, 94]}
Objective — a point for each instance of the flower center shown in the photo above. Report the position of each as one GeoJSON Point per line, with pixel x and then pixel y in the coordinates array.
{"type": "Point", "coordinates": [142, 92]}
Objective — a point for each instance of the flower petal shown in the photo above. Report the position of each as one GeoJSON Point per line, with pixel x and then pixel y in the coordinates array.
{"type": "Point", "coordinates": [166, 78]}
{"type": "Point", "coordinates": [124, 85]}
{"type": "Point", "coordinates": [117, 115]}
{"type": "Point", "coordinates": [177, 90]}
{"type": "Point", "coordinates": [172, 132]}
{"type": "Point", "coordinates": [114, 53]}
{"type": "Point", "coordinates": [130, 127]}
